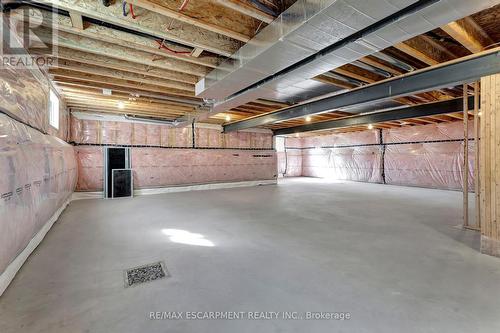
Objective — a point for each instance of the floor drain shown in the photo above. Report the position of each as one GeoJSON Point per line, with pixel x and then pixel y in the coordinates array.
{"type": "Point", "coordinates": [145, 273]}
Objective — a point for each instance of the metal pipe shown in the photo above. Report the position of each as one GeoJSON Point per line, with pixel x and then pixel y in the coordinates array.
{"type": "Point", "coordinates": [150, 120]}
{"type": "Point", "coordinates": [393, 61]}
{"type": "Point", "coordinates": [371, 68]}
{"type": "Point", "coordinates": [344, 78]}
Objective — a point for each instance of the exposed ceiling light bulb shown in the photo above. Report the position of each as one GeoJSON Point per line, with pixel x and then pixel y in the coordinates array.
{"type": "Point", "coordinates": [228, 117]}
{"type": "Point", "coordinates": [308, 118]}
{"type": "Point", "coordinates": [121, 105]}
{"type": "Point", "coordinates": [370, 126]}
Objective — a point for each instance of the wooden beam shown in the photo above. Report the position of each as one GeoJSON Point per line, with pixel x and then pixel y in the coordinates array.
{"type": "Point", "coordinates": [60, 75]}
{"type": "Point", "coordinates": [162, 7]}
{"type": "Point", "coordinates": [426, 50]}
{"type": "Point", "coordinates": [79, 69]}
{"type": "Point", "coordinates": [489, 155]}
{"type": "Point", "coordinates": [150, 23]}
{"type": "Point", "coordinates": [115, 110]}
{"type": "Point", "coordinates": [465, 165]}
{"type": "Point", "coordinates": [128, 105]}
{"type": "Point", "coordinates": [89, 45]}
{"type": "Point", "coordinates": [246, 9]}
{"type": "Point", "coordinates": [124, 87]}
{"type": "Point", "coordinates": [196, 52]}
{"type": "Point", "coordinates": [477, 177]}
{"type": "Point", "coordinates": [85, 85]}
{"type": "Point", "coordinates": [76, 20]}
{"type": "Point", "coordinates": [468, 33]}
{"type": "Point", "coordinates": [65, 54]}
{"type": "Point", "coordinates": [97, 93]}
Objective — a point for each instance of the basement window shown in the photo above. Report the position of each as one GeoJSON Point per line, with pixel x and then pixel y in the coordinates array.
{"type": "Point", "coordinates": [53, 110]}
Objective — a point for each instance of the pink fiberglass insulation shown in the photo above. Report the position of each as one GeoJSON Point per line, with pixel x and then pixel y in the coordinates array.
{"type": "Point", "coordinates": [24, 93]}
{"type": "Point", "coordinates": [435, 165]}
{"type": "Point", "coordinates": [421, 163]}
{"type": "Point", "coordinates": [157, 167]}
{"type": "Point", "coordinates": [160, 167]}
{"type": "Point", "coordinates": [128, 133]}
{"type": "Point", "coordinates": [38, 176]}
{"type": "Point", "coordinates": [90, 168]}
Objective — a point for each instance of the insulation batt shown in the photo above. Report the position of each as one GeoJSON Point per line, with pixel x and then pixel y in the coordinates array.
{"type": "Point", "coordinates": [433, 165]}
{"type": "Point", "coordinates": [85, 131]}
{"type": "Point", "coordinates": [157, 166]}
{"type": "Point", "coordinates": [38, 176]}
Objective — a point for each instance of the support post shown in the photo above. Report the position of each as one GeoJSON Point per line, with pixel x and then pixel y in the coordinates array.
{"type": "Point", "coordinates": [477, 177]}
{"type": "Point", "coordinates": [489, 155]}
{"type": "Point", "coordinates": [465, 169]}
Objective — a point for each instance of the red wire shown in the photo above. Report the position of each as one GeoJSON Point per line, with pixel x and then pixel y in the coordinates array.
{"type": "Point", "coordinates": [131, 10]}
{"type": "Point", "coordinates": [162, 46]}
{"type": "Point", "coordinates": [184, 4]}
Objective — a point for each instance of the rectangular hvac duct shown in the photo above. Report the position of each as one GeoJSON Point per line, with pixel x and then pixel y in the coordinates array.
{"type": "Point", "coordinates": [309, 26]}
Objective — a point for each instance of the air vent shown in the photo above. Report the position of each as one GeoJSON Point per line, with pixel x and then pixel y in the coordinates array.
{"type": "Point", "coordinates": [145, 273]}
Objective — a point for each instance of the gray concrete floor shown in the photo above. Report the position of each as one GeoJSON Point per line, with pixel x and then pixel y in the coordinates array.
{"type": "Point", "coordinates": [390, 256]}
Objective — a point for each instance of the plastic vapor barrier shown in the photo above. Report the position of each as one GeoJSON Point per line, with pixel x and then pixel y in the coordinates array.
{"type": "Point", "coordinates": [426, 156]}
{"type": "Point", "coordinates": [38, 176]}
{"type": "Point", "coordinates": [159, 167]}
{"type": "Point", "coordinates": [232, 157]}
{"type": "Point", "coordinates": [429, 164]}
{"type": "Point", "coordinates": [84, 131]}
{"type": "Point", "coordinates": [348, 163]}
{"type": "Point", "coordinates": [156, 167]}
{"type": "Point", "coordinates": [290, 161]}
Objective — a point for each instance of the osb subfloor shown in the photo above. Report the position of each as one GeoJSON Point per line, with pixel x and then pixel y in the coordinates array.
{"type": "Point", "coordinates": [390, 256]}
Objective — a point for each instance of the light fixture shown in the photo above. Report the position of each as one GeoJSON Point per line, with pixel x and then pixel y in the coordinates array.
{"type": "Point", "coordinates": [121, 105]}
{"type": "Point", "coordinates": [479, 114]}
{"type": "Point", "coordinates": [296, 135]}
{"type": "Point", "coordinates": [228, 117]}
{"type": "Point", "coordinates": [370, 126]}
{"type": "Point", "coordinates": [308, 118]}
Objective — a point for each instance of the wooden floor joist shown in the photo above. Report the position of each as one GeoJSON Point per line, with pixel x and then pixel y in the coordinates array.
{"type": "Point", "coordinates": [151, 23]}
{"type": "Point", "coordinates": [168, 8]}
{"type": "Point", "coordinates": [89, 45]}
{"type": "Point", "coordinates": [70, 57]}
{"type": "Point", "coordinates": [121, 38]}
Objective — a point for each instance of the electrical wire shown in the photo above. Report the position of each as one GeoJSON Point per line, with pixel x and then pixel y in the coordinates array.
{"type": "Point", "coordinates": [131, 10]}
{"type": "Point", "coordinates": [163, 46]}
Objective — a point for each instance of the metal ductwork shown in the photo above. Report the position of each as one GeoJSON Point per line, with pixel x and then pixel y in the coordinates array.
{"type": "Point", "coordinates": [313, 37]}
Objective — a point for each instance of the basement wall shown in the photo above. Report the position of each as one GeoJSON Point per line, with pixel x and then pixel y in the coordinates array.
{"type": "Point", "coordinates": [424, 156]}
{"type": "Point", "coordinates": [38, 168]}
{"type": "Point", "coordinates": [163, 156]}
